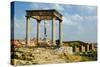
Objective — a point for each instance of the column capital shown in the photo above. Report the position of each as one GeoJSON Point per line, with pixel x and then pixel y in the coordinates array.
{"type": "Point", "coordinates": [38, 21]}
{"type": "Point", "coordinates": [60, 20]}
{"type": "Point", "coordinates": [53, 17]}
{"type": "Point", "coordinates": [27, 16]}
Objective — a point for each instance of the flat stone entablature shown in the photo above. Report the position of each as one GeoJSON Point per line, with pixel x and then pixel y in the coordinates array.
{"type": "Point", "coordinates": [44, 14]}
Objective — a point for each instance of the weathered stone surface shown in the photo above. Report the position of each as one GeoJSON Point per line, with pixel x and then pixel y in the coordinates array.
{"type": "Point", "coordinates": [41, 55]}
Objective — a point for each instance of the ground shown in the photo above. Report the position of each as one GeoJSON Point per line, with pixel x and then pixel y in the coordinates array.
{"type": "Point", "coordinates": [43, 55]}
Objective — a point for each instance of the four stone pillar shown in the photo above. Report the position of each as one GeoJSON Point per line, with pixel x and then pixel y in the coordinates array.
{"type": "Point", "coordinates": [38, 29]}
{"type": "Point", "coordinates": [27, 31]}
{"type": "Point", "coordinates": [60, 32]}
{"type": "Point", "coordinates": [53, 31]}
{"type": "Point", "coordinates": [45, 31]}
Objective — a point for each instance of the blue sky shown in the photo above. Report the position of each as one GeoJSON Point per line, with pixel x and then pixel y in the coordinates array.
{"type": "Point", "coordinates": [79, 21]}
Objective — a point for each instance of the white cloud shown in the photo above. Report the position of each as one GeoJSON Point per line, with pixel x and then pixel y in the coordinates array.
{"type": "Point", "coordinates": [67, 21]}
{"type": "Point", "coordinates": [34, 6]}
{"type": "Point", "coordinates": [77, 17]}
{"type": "Point", "coordinates": [87, 9]}
{"type": "Point", "coordinates": [91, 8]}
{"type": "Point", "coordinates": [58, 7]}
{"type": "Point", "coordinates": [38, 6]}
{"type": "Point", "coordinates": [46, 6]}
{"type": "Point", "coordinates": [72, 19]}
{"type": "Point", "coordinates": [19, 27]}
{"type": "Point", "coordinates": [17, 23]}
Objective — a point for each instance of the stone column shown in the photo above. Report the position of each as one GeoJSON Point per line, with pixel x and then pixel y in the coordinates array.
{"type": "Point", "coordinates": [38, 29]}
{"type": "Point", "coordinates": [27, 31]}
{"type": "Point", "coordinates": [80, 48]}
{"type": "Point", "coordinates": [53, 31]}
{"type": "Point", "coordinates": [45, 31]}
{"type": "Point", "coordinates": [92, 46]}
{"type": "Point", "coordinates": [87, 47]}
{"type": "Point", "coordinates": [83, 48]}
{"type": "Point", "coordinates": [75, 49]}
{"type": "Point", "coordinates": [60, 32]}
